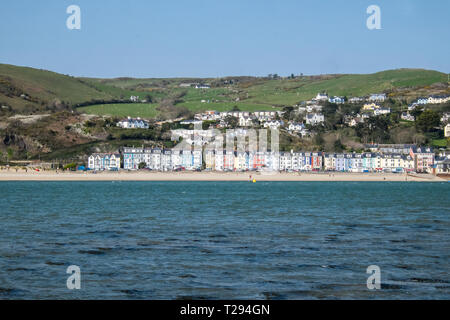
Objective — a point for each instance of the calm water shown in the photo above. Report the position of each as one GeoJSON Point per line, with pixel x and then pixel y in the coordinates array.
{"type": "Point", "coordinates": [269, 240]}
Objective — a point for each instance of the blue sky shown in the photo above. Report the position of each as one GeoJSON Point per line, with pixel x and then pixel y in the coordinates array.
{"type": "Point", "coordinates": [209, 38]}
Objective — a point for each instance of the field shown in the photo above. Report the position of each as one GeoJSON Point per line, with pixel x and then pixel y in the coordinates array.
{"type": "Point", "coordinates": [143, 110]}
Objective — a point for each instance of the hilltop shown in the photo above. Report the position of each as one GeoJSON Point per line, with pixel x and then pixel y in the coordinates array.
{"type": "Point", "coordinates": [28, 90]}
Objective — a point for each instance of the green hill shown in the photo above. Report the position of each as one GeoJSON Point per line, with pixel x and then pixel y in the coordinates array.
{"type": "Point", "coordinates": [251, 93]}
{"type": "Point", "coordinates": [44, 88]}
{"type": "Point", "coordinates": [29, 90]}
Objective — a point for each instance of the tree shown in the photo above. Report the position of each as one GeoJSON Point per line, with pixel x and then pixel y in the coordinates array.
{"type": "Point", "coordinates": [148, 98]}
{"type": "Point", "coordinates": [416, 112]}
{"type": "Point", "coordinates": [428, 121]}
{"type": "Point", "coordinates": [374, 129]}
{"type": "Point", "coordinates": [142, 165]}
{"type": "Point", "coordinates": [288, 112]}
{"type": "Point", "coordinates": [231, 121]}
{"type": "Point", "coordinates": [71, 166]}
{"type": "Point", "coordinates": [10, 153]}
{"type": "Point", "coordinates": [338, 146]}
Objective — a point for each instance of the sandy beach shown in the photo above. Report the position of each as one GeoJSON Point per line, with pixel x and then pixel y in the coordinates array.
{"type": "Point", "coordinates": [30, 175]}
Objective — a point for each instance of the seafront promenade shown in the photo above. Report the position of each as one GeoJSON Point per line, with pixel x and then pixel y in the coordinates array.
{"type": "Point", "coordinates": [209, 176]}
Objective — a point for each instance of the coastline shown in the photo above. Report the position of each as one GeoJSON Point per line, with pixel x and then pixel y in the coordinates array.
{"type": "Point", "coordinates": [211, 176]}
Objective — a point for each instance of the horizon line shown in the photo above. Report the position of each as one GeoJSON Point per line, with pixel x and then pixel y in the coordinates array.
{"type": "Point", "coordinates": [225, 76]}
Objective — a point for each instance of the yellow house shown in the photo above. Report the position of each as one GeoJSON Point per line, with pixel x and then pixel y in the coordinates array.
{"type": "Point", "coordinates": [447, 130]}
{"type": "Point", "coordinates": [371, 106]}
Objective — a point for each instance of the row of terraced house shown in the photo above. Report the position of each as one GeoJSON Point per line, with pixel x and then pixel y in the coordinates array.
{"type": "Point", "coordinates": [417, 159]}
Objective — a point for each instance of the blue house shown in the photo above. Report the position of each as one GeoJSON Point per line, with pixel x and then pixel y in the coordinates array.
{"type": "Point", "coordinates": [337, 100]}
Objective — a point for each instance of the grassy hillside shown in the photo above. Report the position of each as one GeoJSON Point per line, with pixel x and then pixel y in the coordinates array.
{"type": "Point", "coordinates": [143, 110]}
{"type": "Point", "coordinates": [45, 89]}
{"type": "Point", "coordinates": [42, 88]}
{"type": "Point", "coordinates": [262, 93]}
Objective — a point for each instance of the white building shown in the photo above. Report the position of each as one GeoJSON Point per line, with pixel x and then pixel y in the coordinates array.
{"type": "Point", "coordinates": [321, 97]}
{"type": "Point", "coordinates": [445, 117]}
{"type": "Point", "coordinates": [296, 127]}
{"type": "Point", "coordinates": [381, 111]}
{"type": "Point", "coordinates": [447, 130]}
{"type": "Point", "coordinates": [407, 116]}
{"type": "Point", "coordinates": [356, 100]}
{"type": "Point", "coordinates": [337, 100]}
{"type": "Point", "coordinates": [131, 123]}
{"type": "Point", "coordinates": [104, 161]}
{"type": "Point", "coordinates": [377, 97]}
{"type": "Point", "coordinates": [275, 124]}
{"type": "Point", "coordinates": [202, 86]}
{"type": "Point", "coordinates": [245, 121]}
{"type": "Point", "coordinates": [314, 118]}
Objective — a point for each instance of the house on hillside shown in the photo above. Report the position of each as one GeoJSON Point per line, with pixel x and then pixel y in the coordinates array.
{"type": "Point", "coordinates": [421, 101]}
{"type": "Point", "coordinates": [381, 111]}
{"type": "Point", "coordinates": [131, 123]}
{"type": "Point", "coordinates": [321, 97]}
{"type": "Point", "coordinates": [435, 99]}
{"type": "Point", "coordinates": [377, 97]}
{"type": "Point", "coordinates": [337, 100]}
{"type": "Point", "coordinates": [407, 116]}
{"type": "Point", "coordinates": [314, 118]}
{"type": "Point", "coordinates": [202, 86]}
{"type": "Point", "coordinates": [371, 106]}
{"type": "Point", "coordinates": [447, 130]}
{"type": "Point", "coordinates": [245, 121]}
{"type": "Point", "coordinates": [274, 124]}
{"type": "Point", "coordinates": [356, 100]}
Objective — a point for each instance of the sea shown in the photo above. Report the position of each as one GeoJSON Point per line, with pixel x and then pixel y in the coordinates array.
{"type": "Point", "coordinates": [224, 240]}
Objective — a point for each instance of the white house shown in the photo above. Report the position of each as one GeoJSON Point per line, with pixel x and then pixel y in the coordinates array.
{"type": "Point", "coordinates": [104, 161]}
{"type": "Point", "coordinates": [407, 116]}
{"type": "Point", "coordinates": [356, 100]}
{"type": "Point", "coordinates": [381, 111]}
{"type": "Point", "coordinates": [202, 86]}
{"type": "Point", "coordinates": [337, 100]}
{"type": "Point", "coordinates": [353, 121]}
{"type": "Point", "coordinates": [296, 127]}
{"type": "Point", "coordinates": [314, 118]}
{"type": "Point", "coordinates": [130, 123]}
{"type": "Point", "coordinates": [245, 121]}
{"type": "Point", "coordinates": [445, 117]}
{"type": "Point", "coordinates": [421, 101]}
{"type": "Point", "coordinates": [275, 124]}
{"type": "Point", "coordinates": [438, 99]}
{"type": "Point", "coordinates": [377, 97]}
{"type": "Point", "coordinates": [313, 108]}
{"type": "Point", "coordinates": [321, 97]}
